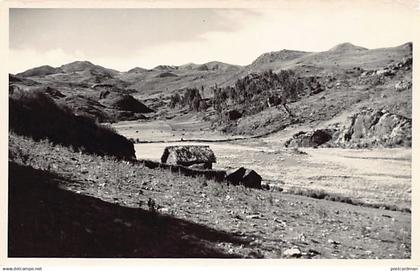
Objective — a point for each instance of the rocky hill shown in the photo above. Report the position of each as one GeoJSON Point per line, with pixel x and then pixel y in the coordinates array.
{"type": "Point", "coordinates": [368, 128]}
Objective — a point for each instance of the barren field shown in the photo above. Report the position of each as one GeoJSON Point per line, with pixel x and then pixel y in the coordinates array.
{"type": "Point", "coordinates": [374, 176]}
{"type": "Point", "coordinates": [184, 127]}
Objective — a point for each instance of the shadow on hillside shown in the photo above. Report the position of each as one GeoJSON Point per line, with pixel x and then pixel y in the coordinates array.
{"type": "Point", "coordinates": [46, 221]}
{"type": "Point", "coordinates": [38, 116]}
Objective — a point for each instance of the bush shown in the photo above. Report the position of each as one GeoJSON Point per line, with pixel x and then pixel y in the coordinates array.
{"type": "Point", "coordinates": [190, 98]}
{"type": "Point", "coordinates": [256, 92]}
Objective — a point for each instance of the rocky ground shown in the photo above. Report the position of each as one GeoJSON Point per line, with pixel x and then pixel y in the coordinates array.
{"type": "Point", "coordinates": [65, 203]}
{"type": "Point", "coordinates": [367, 128]}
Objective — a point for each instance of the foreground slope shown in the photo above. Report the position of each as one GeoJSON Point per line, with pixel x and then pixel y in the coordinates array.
{"type": "Point", "coordinates": [98, 207]}
{"type": "Point", "coordinates": [36, 115]}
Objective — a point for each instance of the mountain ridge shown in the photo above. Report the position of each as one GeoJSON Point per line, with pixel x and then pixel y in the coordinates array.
{"type": "Point", "coordinates": [268, 57]}
{"type": "Point", "coordinates": [83, 82]}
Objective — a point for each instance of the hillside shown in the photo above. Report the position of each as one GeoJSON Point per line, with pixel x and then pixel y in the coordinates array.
{"type": "Point", "coordinates": [37, 116]}
{"type": "Point", "coordinates": [87, 89]}
{"type": "Point", "coordinates": [39, 71]}
{"type": "Point", "coordinates": [69, 204]}
{"type": "Point", "coordinates": [348, 79]}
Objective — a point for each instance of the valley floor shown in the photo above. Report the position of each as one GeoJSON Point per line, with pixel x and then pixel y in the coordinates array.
{"type": "Point", "coordinates": [378, 176]}
{"type": "Point", "coordinates": [65, 203]}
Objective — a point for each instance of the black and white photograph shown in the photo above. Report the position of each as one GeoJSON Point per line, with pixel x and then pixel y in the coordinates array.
{"type": "Point", "coordinates": [222, 132]}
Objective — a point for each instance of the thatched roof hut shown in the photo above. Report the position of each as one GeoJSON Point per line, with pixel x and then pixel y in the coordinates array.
{"type": "Point", "coordinates": [188, 155]}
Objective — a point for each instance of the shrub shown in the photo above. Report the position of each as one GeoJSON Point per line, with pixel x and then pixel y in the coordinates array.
{"type": "Point", "coordinates": [191, 97]}
{"type": "Point", "coordinates": [256, 92]}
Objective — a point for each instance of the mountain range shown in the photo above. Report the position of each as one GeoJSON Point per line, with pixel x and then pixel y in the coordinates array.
{"type": "Point", "coordinates": [104, 93]}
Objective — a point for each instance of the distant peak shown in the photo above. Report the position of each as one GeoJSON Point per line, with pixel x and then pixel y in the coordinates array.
{"type": "Point", "coordinates": [80, 63]}
{"type": "Point", "coordinates": [40, 71]}
{"type": "Point", "coordinates": [77, 66]}
{"type": "Point", "coordinates": [189, 64]}
{"type": "Point", "coordinates": [282, 55]}
{"type": "Point", "coordinates": [347, 46]}
{"type": "Point", "coordinates": [165, 67]}
{"type": "Point", "coordinates": [137, 70]}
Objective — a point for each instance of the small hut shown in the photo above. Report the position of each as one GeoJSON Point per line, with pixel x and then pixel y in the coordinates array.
{"type": "Point", "coordinates": [188, 156]}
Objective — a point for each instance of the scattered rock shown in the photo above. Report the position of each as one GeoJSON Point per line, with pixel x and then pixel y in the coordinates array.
{"type": "Point", "coordinates": [375, 128]}
{"type": "Point", "coordinates": [302, 237]}
{"type": "Point", "coordinates": [313, 252]}
{"type": "Point", "coordinates": [311, 138]}
{"type": "Point", "coordinates": [385, 72]}
{"type": "Point", "coordinates": [387, 241]}
{"type": "Point", "coordinates": [164, 210]}
{"type": "Point", "coordinates": [265, 186]}
{"type": "Point", "coordinates": [246, 177]}
{"type": "Point", "coordinates": [200, 166]}
{"type": "Point", "coordinates": [330, 241]}
{"type": "Point", "coordinates": [283, 223]}
{"type": "Point", "coordinates": [367, 128]}
{"type": "Point", "coordinates": [251, 179]}
{"type": "Point", "coordinates": [238, 217]}
{"type": "Point", "coordinates": [233, 114]}
{"type": "Point", "coordinates": [189, 155]}
{"type": "Point", "coordinates": [234, 176]}
{"type": "Point", "coordinates": [402, 85]}
{"type": "Point", "coordinates": [292, 252]}
{"type": "Point", "coordinates": [253, 216]}
{"type": "Point", "coordinates": [297, 151]}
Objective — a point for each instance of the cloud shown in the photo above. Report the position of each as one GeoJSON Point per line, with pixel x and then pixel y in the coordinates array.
{"type": "Point", "coordinates": [103, 32]}
{"type": "Point", "coordinates": [256, 31]}
{"type": "Point", "coordinates": [276, 29]}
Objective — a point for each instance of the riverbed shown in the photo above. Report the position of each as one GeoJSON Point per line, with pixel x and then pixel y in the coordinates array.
{"type": "Point", "coordinates": [372, 176]}
{"type": "Point", "coordinates": [381, 175]}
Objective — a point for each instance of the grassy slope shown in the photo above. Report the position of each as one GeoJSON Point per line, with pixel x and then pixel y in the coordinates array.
{"type": "Point", "coordinates": [36, 115]}
{"type": "Point", "coordinates": [88, 206]}
{"type": "Point", "coordinates": [347, 93]}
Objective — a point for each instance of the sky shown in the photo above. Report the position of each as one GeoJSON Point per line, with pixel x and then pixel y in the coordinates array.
{"type": "Point", "coordinates": [126, 38]}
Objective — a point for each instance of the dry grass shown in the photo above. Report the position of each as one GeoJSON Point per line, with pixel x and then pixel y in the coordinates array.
{"type": "Point", "coordinates": [266, 222]}
{"type": "Point", "coordinates": [36, 115]}
{"type": "Point", "coordinates": [321, 194]}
